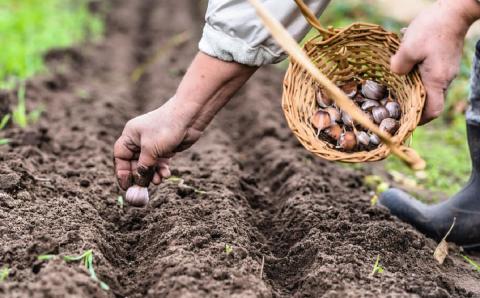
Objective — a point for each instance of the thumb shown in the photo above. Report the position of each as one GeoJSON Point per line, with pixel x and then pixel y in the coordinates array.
{"type": "Point", "coordinates": [145, 170]}
{"type": "Point", "coordinates": [403, 61]}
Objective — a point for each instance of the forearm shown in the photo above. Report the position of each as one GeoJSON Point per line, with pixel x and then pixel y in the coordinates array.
{"type": "Point", "coordinates": [466, 11]}
{"type": "Point", "coordinates": [206, 87]}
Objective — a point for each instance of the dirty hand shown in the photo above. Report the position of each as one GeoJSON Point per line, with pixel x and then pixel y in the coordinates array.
{"type": "Point", "coordinates": [141, 153]}
{"type": "Point", "coordinates": [434, 40]}
{"type": "Point", "coordinates": [146, 144]}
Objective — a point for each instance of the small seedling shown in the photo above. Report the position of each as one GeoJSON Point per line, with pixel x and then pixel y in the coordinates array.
{"type": "Point", "coordinates": [20, 116]}
{"type": "Point", "coordinates": [87, 259]}
{"type": "Point", "coordinates": [45, 257]}
{"type": "Point", "coordinates": [120, 202]}
{"type": "Point", "coordinates": [4, 273]}
{"type": "Point", "coordinates": [4, 121]}
{"type": "Point", "coordinates": [472, 262]}
{"type": "Point", "coordinates": [181, 184]}
{"type": "Point", "coordinates": [4, 141]}
{"type": "Point", "coordinates": [376, 267]}
{"type": "Point", "coordinates": [228, 249]}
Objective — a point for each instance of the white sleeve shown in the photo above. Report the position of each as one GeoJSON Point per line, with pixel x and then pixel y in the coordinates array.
{"type": "Point", "coordinates": [233, 31]}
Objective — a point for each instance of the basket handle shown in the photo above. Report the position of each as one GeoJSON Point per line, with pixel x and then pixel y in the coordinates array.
{"type": "Point", "coordinates": [282, 36]}
{"type": "Point", "coordinates": [312, 18]}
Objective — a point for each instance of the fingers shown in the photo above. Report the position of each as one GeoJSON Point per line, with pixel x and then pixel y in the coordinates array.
{"type": "Point", "coordinates": [162, 171]}
{"type": "Point", "coordinates": [123, 169]}
{"type": "Point", "coordinates": [434, 103]}
{"type": "Point", "coordinates": [404, 60]}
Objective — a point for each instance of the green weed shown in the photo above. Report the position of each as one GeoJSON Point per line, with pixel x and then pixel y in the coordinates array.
{"type": "Point", "coordinates": [181, 184]}
{"type": "Point", "coordinates": [45, 257]}
{"type": "Point", "coordinates": [376, 267]}
{"type": "Point", "coordinates": [20, 116]}
{"type": "Point", "coordinates": [228, 249]}
{"type": "Point", "coordinates": [4, 272]}
{"type": "Point", "coordinates": [29, 28]}
{"type": "Point", "coordinates": [87, 259]}
{"type": "Point", "coordinates": [472, 262]}
{"type": "Point", "coordinates": [120, 202]}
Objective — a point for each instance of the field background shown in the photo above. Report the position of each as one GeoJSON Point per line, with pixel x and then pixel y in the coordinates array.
{"type": "Point", "coordinates": [29, 28]}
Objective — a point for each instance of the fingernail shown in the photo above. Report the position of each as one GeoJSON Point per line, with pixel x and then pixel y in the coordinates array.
{"type": "Point", "coordinates": [143, 176]}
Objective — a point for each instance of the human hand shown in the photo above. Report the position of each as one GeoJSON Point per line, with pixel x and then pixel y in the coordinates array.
{"type": "Point", "coordinates": [148, 141]}
{"type": "Point", "coordinates": [434, 41]}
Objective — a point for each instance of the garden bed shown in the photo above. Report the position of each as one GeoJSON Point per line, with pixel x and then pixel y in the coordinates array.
{"type": "Point", "coordinates": [254, 214]}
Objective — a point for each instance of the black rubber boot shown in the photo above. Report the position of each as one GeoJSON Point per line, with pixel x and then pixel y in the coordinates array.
{"type": "Point", "coordinates": [435, 220]}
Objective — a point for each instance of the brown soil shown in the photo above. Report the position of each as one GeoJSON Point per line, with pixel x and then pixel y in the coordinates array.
{"type": "Point", "coordinates": [309, 220]}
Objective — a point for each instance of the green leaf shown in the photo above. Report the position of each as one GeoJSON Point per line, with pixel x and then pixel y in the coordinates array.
{"type": "Point", "coordinates": [104, 286]}
{"type": "Point", "coordinates": [472, 262]}
{"type": "Point", "coordinates": [4, 121]}
{"type": "Point", "coordinates": [45, 257]}
{"type": "Point", "coordinates": [4, 141]}
{"type": "Point", "coordinates": [4, 273]}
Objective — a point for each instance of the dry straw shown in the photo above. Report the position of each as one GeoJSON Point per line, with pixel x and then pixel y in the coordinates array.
{"type": "Point", "coordinates": [334, 56]}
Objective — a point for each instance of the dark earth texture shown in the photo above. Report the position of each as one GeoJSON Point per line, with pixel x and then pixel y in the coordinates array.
{"type": "Point", "coordinates": [248, 183]}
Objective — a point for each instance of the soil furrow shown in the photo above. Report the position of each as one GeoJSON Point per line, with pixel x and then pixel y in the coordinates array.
{"type": "Point", "coordinates": [247, 184]}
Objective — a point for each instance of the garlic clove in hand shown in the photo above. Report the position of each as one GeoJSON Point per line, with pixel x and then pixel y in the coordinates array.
{"type": "Point", "coordinates": [137, 196]}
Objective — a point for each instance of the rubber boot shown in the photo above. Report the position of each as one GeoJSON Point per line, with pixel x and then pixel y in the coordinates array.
{"type": "Point", "coordinates": [435, 220]}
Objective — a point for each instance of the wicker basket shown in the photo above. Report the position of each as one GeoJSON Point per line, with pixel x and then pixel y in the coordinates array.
{"type": "Point", "coordinates": [358, 51]}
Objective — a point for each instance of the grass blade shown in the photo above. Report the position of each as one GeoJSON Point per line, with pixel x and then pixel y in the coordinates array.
{"type": "Point", "coordinates": [4, 273]}
{"type": "Point", "coordinates": [45, 257]}
{"type": "Point", "coordinates": [4, 121]}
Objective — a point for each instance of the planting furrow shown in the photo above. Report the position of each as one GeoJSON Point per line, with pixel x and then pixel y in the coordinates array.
{"type": "Point", "coordinates": [322, 233]}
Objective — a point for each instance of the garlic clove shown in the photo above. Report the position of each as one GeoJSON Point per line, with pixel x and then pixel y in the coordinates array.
{"type": "Point", "coordinates": [334, 114]}
{"type": "Point", "coordinates": [321, 120]}
{"type": "Point", "coordinates": [334, 132]}
{"type": "Point", "coordinates": [389, 125]}
{"type": "Point", "coordinates": [137, 196]}
{"type": "Point", "coordinates": [323, 99]}
{"type": "Point", "coordinates": [347, 141]}
{"type": "Point", "coordinates": [369, 104]}
{"type": "Point", "coordinates": [363, 138]}
{"type": "Point", "coordinates": [350, 89]}
{"type": "Point", "coordinates": [374, 139]}
{"type": "Point", "coordinates": [347, 119]}
{"type": "Point", "coordinates": [379, 113]}
{"type": "Point", "coordinates": [373, 90]}
{"type": "Point", "coordinates": [393, 109]}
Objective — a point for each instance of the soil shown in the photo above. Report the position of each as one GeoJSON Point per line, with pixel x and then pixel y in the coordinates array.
{"type": "Point", "coordinates": [298, 226]}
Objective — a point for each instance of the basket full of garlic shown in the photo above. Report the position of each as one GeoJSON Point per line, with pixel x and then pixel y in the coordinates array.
{"type": "Point", "coordinates": [356, 61]}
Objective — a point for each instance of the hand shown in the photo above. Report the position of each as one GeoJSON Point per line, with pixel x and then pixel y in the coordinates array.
{"type": "Point", "coordinates": [434, 41]}
{"type": "Point", "coordinates": [141, 154]}
{"type": "Point", "coordinates": [147, 143]}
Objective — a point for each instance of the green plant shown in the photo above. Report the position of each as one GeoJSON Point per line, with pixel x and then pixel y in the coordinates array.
{"type": "Point", "coordinates": [120, 202]}
{"type": "Point", "coordinates": [181, 184]}
{"type": "Point", "coordinates": [87, 259]}
{"type": "Point", "coordinates": [45, 257]}
{"type": "Point", "coordinates": [376, 267]}
{"type": "Point", "coordinates": [472, 262]}
{"type": "Point", "coordinates": [29, 28]}
{"type": "Point", "coordinates": [4, 272]}
{"type": "Point", "coordinates": [4, 121]}
{"type": "Point", "coordinates": [228, 249]}
{"type": "Point", "coordinates": [20, 116]}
